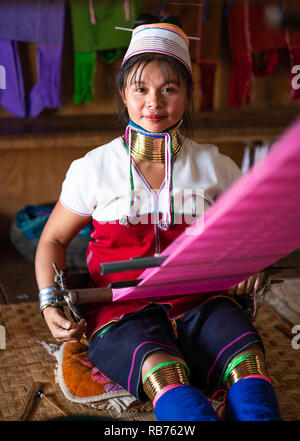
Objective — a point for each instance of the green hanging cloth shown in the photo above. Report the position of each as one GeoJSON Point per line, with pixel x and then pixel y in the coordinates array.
{"type": "Point", "coordinates": [93, 28]}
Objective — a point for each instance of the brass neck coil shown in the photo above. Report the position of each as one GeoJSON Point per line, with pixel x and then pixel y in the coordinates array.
{"type": "Point", "coordinates": [151, 148]}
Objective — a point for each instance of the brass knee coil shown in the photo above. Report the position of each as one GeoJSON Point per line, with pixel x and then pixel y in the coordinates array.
{"type": "Point", "coordinates": [175, 373]}
{"type": "Point", "coordinates": [253, 365]}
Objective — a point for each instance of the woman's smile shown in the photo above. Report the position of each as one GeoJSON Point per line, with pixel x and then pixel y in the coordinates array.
{"type": "Point", "coordinates": [154, 118]}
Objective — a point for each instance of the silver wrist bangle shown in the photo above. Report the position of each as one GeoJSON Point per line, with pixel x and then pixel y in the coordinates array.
{"type": "Point", "coordinates": [48, 299]}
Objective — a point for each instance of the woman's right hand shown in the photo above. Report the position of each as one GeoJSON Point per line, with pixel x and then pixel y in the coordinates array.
{"type": "Point", "coordinates": [62, 329]}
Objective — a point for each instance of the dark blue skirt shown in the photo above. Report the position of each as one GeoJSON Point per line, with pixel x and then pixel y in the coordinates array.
{"type": "Point", "coordinates": [206, 337]}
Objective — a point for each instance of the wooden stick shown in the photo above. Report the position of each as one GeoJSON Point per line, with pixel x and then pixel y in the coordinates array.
{"type": "Point", "coordinates": [35, 392]}
{"type": "Point", "coordinates": [88, 295]}
{"type": "Point", "coordinates": [30, 399]}
{"type": "Point", "coordinates": [41, 394]}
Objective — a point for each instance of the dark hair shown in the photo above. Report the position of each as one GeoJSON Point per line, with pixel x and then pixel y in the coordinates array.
{"type": "Point", "coordinates": [150, 18]}
{"type": "Point", "coordinates": [167, 63]}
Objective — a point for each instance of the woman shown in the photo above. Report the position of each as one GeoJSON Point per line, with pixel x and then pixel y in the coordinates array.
{"type": "Point", "coordinates": [172, 350]}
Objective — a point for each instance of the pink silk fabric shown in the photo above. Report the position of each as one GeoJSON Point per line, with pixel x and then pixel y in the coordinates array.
{"type": "Point", "coordinates": [253, 224]}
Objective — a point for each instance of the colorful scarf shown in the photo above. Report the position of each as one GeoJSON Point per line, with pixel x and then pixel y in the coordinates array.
{"type": "Point", "coordinates": [39, 22]}
{"type": "Point", "coordinates": [93, 27]}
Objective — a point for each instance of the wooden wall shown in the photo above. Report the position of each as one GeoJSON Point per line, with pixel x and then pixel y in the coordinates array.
{"type": "Point", "coordinates": [36, 153]}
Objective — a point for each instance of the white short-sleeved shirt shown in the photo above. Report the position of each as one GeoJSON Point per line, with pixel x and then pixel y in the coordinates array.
{"type": "Point", "coordinates": [98, 185]}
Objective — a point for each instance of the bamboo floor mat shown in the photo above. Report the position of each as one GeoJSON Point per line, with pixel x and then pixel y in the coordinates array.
{"type": "Point", "coordinates": [282, 360]}
{"type": "Point", "coordinates": [24, 361]}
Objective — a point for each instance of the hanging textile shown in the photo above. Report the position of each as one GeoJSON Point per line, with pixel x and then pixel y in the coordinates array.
{"type": "Point", "coordinates": [93, 28]}
{"type": "Point", "coordinates": [12, 98]}
{"type": "Point", "coordinates": [252, 40]}
{"type": "Point", "coordinates": [209, 51]}
{"type": "Point", "coordinates": [40, 22]}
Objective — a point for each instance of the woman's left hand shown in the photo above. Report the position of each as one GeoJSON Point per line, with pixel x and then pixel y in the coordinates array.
{"type": "Point", "coordinates": [253, 284]}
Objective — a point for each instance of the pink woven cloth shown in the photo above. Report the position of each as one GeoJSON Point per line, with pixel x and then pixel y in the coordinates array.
{"type": "Point", "coordinates": [251, 226]}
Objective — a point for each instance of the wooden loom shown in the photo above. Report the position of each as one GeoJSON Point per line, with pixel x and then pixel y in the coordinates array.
{"type": "Point", "coordinates": [252, 225]}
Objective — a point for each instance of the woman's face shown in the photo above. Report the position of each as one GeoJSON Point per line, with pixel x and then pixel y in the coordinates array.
{"type": "Point", "coordinates": [153, 102]}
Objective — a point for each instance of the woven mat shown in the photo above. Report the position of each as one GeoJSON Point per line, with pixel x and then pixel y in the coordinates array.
{"type": "Point", "coordinates": [282, 359]}
{"type": "Point", "coordinates": [25, 360]}
{"type": "Point", "coordinates": [285, 299]}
